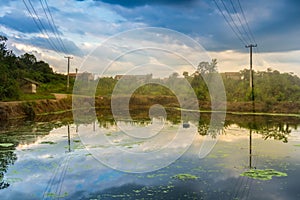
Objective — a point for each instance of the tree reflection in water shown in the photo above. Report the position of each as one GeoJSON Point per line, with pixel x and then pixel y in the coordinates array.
{"type": "Point", "coordinates": [7, 158]}
{"type": "Point", "coordinates": [270, 127]}
{"type": "Point", "coordinates": [13, 133]}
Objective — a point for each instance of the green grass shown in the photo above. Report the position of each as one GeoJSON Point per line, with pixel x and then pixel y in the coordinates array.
{"type": "Point", "coordinates": [25, 97]}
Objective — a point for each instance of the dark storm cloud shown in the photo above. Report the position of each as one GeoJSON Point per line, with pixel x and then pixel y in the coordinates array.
{"type": "Point", "coordinates": [195, 21]}
{"type": "Point", "coordinates": [274, 24]}
{"type": "Point", "coordinates": [282, 29]}
{"type": "Point", "coordinates": [204, 20]}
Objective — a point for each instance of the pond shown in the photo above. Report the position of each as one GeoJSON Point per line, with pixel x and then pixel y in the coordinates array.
{"type": "Point", "coordinates": [255, 157]}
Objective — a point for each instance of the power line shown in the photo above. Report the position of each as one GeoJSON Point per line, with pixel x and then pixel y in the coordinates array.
{"type": "Point", "coordinates": [234, 23]}
{"type": "Point", "coordinates": [38, 26]}
{"type": "Point", "coordinates": [53, 26]}
{"type": "Point", "coordinates": [248, 27]}
{"type": "Point", "coordinates": [230, 25]}
{"type": "Point", "coordinates": [41, 23]}
{"type": "Point", "coordinates": [240, 27]}
{"type": "Point", "coordinates": [33, 13]}
{"type": "Point", "coordinates": [241, 23]}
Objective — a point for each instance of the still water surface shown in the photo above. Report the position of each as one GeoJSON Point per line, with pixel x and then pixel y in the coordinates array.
{"type": "Point", "coordinates": [48, 160]}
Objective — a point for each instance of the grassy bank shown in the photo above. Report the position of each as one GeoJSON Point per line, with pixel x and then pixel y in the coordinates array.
{"type": "Point", "coordinates": [30, 109]}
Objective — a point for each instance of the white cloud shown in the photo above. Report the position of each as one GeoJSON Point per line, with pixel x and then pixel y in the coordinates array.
{"type": "Point", "coordinates": [236, 61]}
{"type": "Point", "coordinates": [90, 23]}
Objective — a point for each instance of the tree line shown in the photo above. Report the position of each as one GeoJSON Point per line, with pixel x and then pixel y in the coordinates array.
{"type": "Point", "coordinates": [269, 85]}
{"type": "Point", "coordinates": [13, 69]}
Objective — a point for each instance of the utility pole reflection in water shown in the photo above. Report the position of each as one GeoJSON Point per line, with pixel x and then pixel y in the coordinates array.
{"type": "Point", "coordinates": [69, 139]}
{"type": "Point", "coordinates": [94, 126]}
{"type": "Point", "coordinates": [250, 148]}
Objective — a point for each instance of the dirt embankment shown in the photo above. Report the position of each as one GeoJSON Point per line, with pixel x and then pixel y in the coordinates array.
{"type": "Point", "coordinates": [29, 109]}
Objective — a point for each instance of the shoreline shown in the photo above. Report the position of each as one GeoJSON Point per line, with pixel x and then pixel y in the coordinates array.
{"type": "Point", "coordinates": [30, 109]}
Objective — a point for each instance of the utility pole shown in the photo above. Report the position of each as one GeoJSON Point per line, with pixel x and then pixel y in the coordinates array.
{"type": "Point", "coordinates": [68, 78]}
{"type": "Point", "coordinates": [251, 71]}
{"type": "Point", "coordinates": [253, 107]}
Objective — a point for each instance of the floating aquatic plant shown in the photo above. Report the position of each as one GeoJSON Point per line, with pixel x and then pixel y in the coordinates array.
{"type": "Point", "coordinates": [6, 144]}
{"type": "Point", "coordinates": [54, 195]}
{"type": "Point", "coordinates": [185, 177]}
{"type": "Point", "coordinates": [261, 174]}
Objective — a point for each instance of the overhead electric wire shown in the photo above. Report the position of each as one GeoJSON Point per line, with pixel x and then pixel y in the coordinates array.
{"type": "Point", "coordinates": [241, 23]}
{"type": "Point", "coordinates": [247, 24]}
{"type": "Point", "coordinates": [234, 23]}
{"type": "Point", "coordinates": [57, 46]}
{"type": "Point", "coordinates": [39, 27]}
{"type": "Point", "coordinates": [230, 25]}
{"type": "Point", "coordinates": [42, 25]}
{"type": "Point", "coordinates": [53, 26]}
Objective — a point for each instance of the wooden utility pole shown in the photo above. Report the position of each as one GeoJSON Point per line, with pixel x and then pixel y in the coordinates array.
{"type": "Point", "coordinates": [251, 71]}
{"type": "Point", "coordinates": [68, 78]}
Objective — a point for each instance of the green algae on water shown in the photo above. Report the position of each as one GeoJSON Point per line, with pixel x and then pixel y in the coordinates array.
{"type": "Point", "coordinates": [261, 174]}
{"type": "Point", "coordinates": [6, 144]}
{"type": "Point", "coordinates": [54, 195]}
{"type": "Point", "coordinates": [185, 177]}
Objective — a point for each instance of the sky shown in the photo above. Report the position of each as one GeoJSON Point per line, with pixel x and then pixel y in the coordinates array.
{"type": "Point", "coordinates": [83, 29]}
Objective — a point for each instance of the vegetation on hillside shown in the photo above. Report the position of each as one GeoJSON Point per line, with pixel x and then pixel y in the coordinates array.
{"type": "Point", "coordinates": [13, 70]}
{"type": "Point", "coordinates": [269, 86]}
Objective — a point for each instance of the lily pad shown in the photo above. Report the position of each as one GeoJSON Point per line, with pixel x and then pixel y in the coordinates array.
{"type": "Point", "coordinates": [261, 174]}
{"type": "Point", "coordinates": [185, 177]}
{"type": "Point", "coordinates": [6, 144]}
{"type": "Point", "coordinates": [54, 195]}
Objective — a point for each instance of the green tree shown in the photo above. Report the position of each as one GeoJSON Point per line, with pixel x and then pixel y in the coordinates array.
{"type": "Point", "coordinates": [185, 74]}
{"type": "Point", "coordinates": [206, 67]}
